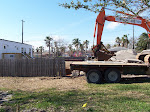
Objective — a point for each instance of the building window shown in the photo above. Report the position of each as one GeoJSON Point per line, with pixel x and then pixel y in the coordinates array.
{"type": "Point", "coordinates": [4, 47]}
{"type": "Point", "coordinates": [11, 55]}
{"type": "Point", "coordinates": [22, 49]}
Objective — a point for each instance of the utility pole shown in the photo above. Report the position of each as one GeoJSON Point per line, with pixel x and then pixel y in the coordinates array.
{"type": "Point", "coordinates": [133, 36]}
{"type": "Point", "coordinates": [22, 30]}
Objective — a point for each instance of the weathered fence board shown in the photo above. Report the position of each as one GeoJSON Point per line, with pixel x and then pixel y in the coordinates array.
{"type": "Point", "coordinates": [32, 67]}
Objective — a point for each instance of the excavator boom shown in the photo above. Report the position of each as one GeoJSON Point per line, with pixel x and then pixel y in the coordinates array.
{"type": "Point", "coordinates": [100, 20]}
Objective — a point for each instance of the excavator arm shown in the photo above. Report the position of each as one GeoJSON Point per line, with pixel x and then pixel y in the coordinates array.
{"type": "Point", "coordinates": [100, 21]}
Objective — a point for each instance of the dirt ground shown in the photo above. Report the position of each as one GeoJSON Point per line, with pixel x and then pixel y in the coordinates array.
{"type": "Point", "coordinates": [41, 83]}
{"type": "Point", "coordinates": [60, 83]}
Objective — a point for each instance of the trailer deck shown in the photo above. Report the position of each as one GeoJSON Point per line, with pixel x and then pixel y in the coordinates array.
{"type": "Point", "coordinates": [107, 63]}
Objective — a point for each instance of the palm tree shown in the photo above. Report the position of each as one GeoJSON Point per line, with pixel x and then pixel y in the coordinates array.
{"type": "Point", "coordinates": [70, 48]}
{"type": "Point", "coordinates": [122, 42]}
{"type": "Point", "coordinates": [48, 40]}
{"type": "Point", "coordinates": [118, 41]}
{"type": "Point", "coordinates": [108, 46]}
{"type": "Point", "coordinates": [76, 42]}
{"type": "Point", "coordinates": [55, 49]}
{"type": "Point", "coordinates": [41, 48]}
{"type": "Point", "coordinates": [86, 43]}
{"type": "Point", "coordinates": [125, 41]}
{"type": "Point", "coordinates": [82, 48]}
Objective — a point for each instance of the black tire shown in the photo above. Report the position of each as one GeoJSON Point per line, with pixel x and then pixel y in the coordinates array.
{"type": "Point", "coordinates": [112, 75]}
{"type": "Point", "coordinates": [94, 76]}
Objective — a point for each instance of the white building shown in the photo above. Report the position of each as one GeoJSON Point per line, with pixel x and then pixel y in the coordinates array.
{"type": "Point", "coordinates": [14, 50]}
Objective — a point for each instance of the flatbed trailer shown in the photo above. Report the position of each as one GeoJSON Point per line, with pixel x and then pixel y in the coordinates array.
{"type": "Point", "coordinates": [97, 71]}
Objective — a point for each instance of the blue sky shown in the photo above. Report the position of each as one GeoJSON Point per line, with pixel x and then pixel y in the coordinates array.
{"type": "Point", "coordinates": [46, 18]}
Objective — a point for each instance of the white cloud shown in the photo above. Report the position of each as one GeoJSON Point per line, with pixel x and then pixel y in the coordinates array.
{"type": "Point", "coordinates": [112, 25]}
{"type": "Point", "coordinates": [36, 43]}
{"type": "Point", "coordinates": [58, 37]}
{"type": "Point", "coordinates": [111, 42]}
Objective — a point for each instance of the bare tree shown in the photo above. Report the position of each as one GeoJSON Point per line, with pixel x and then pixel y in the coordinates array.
{"type": "Point", "coordinates": [134, 7]}
{"type": "Point", "coordinates": [131, 42]}
{"type": "Point", "coordinates": [59, 45]}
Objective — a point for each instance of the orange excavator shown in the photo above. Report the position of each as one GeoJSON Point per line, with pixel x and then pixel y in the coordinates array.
{"type": "Point", "coordinates": [100, 50]}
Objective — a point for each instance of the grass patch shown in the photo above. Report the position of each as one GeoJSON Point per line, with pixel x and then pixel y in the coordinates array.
{"type": "Point", "coordinates": [99, 98]}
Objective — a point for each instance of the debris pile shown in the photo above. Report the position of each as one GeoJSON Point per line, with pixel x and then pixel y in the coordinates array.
{"type": "Point", "coordinates": [4, 97]}
{"type": "Point", "coordinates": [117, 49]}
{"type": "Point", "coordinates": [124, 56]}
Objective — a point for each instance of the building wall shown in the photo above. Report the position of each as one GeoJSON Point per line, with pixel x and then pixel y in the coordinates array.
{"type": "Point", "coordinates": [14, 47]}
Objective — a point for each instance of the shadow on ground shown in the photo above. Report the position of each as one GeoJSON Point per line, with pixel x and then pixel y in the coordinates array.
{"type": "Point", "coordinates": [130, 80]}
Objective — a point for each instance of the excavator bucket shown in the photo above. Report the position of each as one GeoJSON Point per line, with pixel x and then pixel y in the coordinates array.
{"type": "Point", "coordinates": [101, 52]}
{"type": "Point", "coordinates": [103, 56]}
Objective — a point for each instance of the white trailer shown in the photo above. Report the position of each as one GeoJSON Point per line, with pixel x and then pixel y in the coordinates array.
{"type": "Point", "coordinates": [14, 50]}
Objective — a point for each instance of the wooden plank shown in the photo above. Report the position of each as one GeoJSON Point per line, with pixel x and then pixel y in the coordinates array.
{"type": "Point", "coordinates": [19, 68]}
{"type": "Point", "coordinates": [16, 73]}
{"type": "Point", "coordinates": [32, 70]}
{"type": "Point", "coordinates": [6, 68]}
{"type": "Point", "coordinates": [49, 68]}
{"type": "Point", "coordinates": [38, 64]}
{"type": "Point", "coordinates": [27, 68]}
{"type": "Point", "coordinates": [37, 67]}
{"type": "Point", "coordinates": [12, 67]}
{"type": "Point", "coordinates": [1, 68]}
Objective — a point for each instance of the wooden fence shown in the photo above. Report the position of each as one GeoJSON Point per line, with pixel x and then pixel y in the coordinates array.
{"type": "Point", "coordinates": [32, 67]}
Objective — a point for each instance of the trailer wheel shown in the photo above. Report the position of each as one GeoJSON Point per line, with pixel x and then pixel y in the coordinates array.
{"type": "Point", "coordinates": [112, 75]}
{"type": "Point", "coordinates": [94, 76]}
